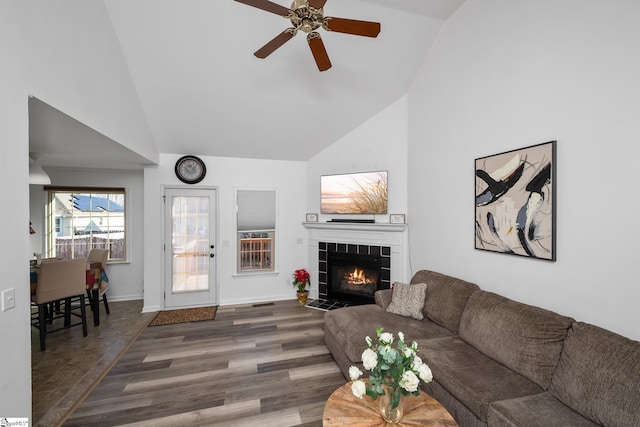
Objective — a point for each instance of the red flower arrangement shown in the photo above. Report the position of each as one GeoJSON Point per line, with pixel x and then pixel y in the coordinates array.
{"type": "Point", "coordinates": [301, 279]}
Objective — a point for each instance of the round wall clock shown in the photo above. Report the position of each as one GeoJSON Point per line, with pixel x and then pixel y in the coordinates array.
{"type": "Point", "coordinates": [190, 169]}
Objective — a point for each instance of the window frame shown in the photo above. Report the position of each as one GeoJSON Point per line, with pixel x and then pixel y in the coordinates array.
{"type": "Point", "coordinates": [53, 226]}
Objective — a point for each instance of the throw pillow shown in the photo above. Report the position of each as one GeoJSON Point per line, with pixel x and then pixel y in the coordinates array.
{"type": "Point", "coordinates": [408, 300]}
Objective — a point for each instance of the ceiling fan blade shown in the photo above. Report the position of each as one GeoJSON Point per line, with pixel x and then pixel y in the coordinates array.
{"type": "Point", "coordinates": [274, 44]}
{"type": "Point", "coordinates": [268, 6]}
{"type": "Point", "coordinates": [319, 52]}
{"type": "Point", "coordinates": [317, 4]}
{"type": "Point", "coordinates": [352, 26]}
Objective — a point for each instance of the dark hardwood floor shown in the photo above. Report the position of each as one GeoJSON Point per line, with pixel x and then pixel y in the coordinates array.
{"type": "Point", "coordinates": [263, 364]}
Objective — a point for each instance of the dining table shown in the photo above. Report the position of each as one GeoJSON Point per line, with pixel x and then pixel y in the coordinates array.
{"type": "Point", "coordinates": [93, 280]}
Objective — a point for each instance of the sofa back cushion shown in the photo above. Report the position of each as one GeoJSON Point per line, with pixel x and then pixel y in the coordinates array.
{"type": "Point", "coordinates": [524, 338]}
{"type": "Point", "coordinates": [446, 297]}
{"type": "Point", "coordinates": [599, 376]}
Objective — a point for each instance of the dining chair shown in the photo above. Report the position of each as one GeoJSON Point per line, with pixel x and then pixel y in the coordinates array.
{"type": "Point", "coordinates": [59, 280]}
{"type": "Point", "coordinates": [101, 256]}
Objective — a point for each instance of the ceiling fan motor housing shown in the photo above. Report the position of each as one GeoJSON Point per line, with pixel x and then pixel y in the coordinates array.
{"type": "Point", "coordinates": [304, 17]}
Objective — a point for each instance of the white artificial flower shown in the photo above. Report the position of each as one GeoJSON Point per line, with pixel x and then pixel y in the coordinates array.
{"type": "Point", "coordinates": [354, 373]}
{"type": "Point", "coordinates": [407, 352]}
{"type": "Point", "coordinates": [358, 388]}
{"type": "Point", "coordinates": [368, 340]}
{"type": "Point", "coordinates": [424, 372]}
{"type": "Point", "coordinates": [416, 362]}
{"type": "Point", "coordinates": [386, 338]}
{"type": "Point", "coordinates": [369, 359]}
{"type": "Point", "coordinates": [409, 381]}
{"type": "Point", "coordinates": [401, 336]}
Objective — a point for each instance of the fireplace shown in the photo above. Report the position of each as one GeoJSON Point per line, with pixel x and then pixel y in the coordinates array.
{"type": "Point", "coordinates": [352, 277]}
{"type": "Point", "coordinates": [351, 274]}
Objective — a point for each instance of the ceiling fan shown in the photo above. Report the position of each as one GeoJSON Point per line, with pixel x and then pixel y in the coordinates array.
{"type": "Point", "coordinates": [308, 16]}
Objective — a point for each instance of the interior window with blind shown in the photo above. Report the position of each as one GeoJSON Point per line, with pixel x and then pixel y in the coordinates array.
{"type": "Point", "coordinates": [80, 219]}
{"type": "Point", "coordinates": [256, 228]}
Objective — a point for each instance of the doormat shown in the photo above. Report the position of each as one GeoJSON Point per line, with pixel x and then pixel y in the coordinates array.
{"type": "Point", "coordinates": [184, 315]}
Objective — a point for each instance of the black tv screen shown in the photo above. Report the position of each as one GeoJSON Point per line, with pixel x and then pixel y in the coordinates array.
{"type": "Point", "coordinates": [354, 193]}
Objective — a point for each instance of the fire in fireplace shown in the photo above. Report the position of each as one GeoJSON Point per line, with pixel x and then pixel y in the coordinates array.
{"type": "Point", "coordinates": [352, 278]}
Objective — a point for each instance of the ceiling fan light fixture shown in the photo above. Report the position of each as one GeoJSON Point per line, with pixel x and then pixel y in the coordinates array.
{"type": "Point", "coordinates": [307, 26]}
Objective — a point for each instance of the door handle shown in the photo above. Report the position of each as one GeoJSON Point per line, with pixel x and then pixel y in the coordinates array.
{"type": "Point", "coordinates": [211, 255]}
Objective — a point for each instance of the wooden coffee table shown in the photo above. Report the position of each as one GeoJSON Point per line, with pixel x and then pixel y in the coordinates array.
{"type": "Point", "coordinates": [343, 408]}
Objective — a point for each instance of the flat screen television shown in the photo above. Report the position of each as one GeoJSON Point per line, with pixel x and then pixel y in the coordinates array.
{"type": "Point", "coordinates": [354, 193]}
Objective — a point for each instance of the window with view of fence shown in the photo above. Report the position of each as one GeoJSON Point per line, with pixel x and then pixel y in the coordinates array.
{"type": "Point", "coordinates": [80, 219]}
{"type": "Point", "coordinates": [256, 251]}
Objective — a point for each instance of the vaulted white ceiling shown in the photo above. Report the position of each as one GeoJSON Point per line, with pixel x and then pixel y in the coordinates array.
{"type": "Point", "coordinates": [203, 91]}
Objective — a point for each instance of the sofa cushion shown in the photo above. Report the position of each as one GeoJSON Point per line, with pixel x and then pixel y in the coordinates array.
{"type": "Point", "coordinates": [538, 410]}
{"type": "Point", "coordinates": [599, 376]}
{"type": "Point", "coordinates": [408, 300]}
{"type": "Point", "coordinates": [524, 338]}
{"type": "Point", "coordinates": [383, 298]}
{"type": "Point", "coordinates": [446, 297]}
{"type": "Point", "coordinates": [470, 376]}
{"type": "Point", "coordinates": [350, 326]}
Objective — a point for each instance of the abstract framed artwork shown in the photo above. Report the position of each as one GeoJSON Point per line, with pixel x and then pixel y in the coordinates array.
{"type": "Point", "coordinates": [515, 196]}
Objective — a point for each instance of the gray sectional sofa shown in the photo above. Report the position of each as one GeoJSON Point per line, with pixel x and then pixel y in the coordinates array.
{"type": "Point", "coordinates": [498, 362]}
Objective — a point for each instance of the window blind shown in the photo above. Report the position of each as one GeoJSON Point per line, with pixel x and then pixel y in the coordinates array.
{"type": "Point", "coordinates": [256, 210]}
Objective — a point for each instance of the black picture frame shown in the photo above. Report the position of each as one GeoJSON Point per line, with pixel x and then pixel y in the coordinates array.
{"type": "Point", "coordinates": [515, 202]}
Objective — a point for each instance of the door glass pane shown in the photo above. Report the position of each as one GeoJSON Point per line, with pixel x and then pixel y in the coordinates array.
{"type": "Point", "coordinates": [190, 244]}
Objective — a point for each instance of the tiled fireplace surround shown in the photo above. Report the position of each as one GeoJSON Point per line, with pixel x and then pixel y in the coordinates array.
{"type": "Point", "coordinates": [325, 249]}
{"type": "Point", "coordinates": [389, 240]}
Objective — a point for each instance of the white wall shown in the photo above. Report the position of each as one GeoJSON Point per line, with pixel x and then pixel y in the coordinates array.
{"type": "Point", "coordinates": [227, 174]}
{"type": "Point", "coordinates": [378, 144]}
{"type": "Point", "coordinates": [85, 77]}
{"type": "Point", "coordinates": [505, 74]}
{"type": "Point", "coordinates": [125, 278]}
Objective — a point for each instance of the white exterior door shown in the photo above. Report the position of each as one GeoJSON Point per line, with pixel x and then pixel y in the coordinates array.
{"type": "Point", "coordinates": [190, 231]}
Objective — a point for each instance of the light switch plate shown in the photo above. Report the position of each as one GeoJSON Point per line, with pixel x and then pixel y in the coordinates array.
{"type": "Point", "coordinates": [8, 299]}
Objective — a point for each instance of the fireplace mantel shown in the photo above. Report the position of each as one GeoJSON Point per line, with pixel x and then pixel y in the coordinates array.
{"type": "Point", "coordinates": [358, 226]}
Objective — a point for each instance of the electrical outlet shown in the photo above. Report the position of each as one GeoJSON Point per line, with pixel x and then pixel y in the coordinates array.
{"type": "Point", "coordinates": [299, 240]}
{"type": "Point", "coordinates": [8, 299]}
{"type": "Point", "coordinates": [226, 243]}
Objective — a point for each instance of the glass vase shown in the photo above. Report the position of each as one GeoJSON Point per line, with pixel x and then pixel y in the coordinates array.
{"type": "Point", "coordinates": [390, 414]}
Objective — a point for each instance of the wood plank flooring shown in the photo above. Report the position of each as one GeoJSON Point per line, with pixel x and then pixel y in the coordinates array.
{"type": "Point", "coordinates": [253, 365]}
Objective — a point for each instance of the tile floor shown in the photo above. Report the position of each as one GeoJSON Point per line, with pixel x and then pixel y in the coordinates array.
{"type": "Point", "coordinates": [71, 365]}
